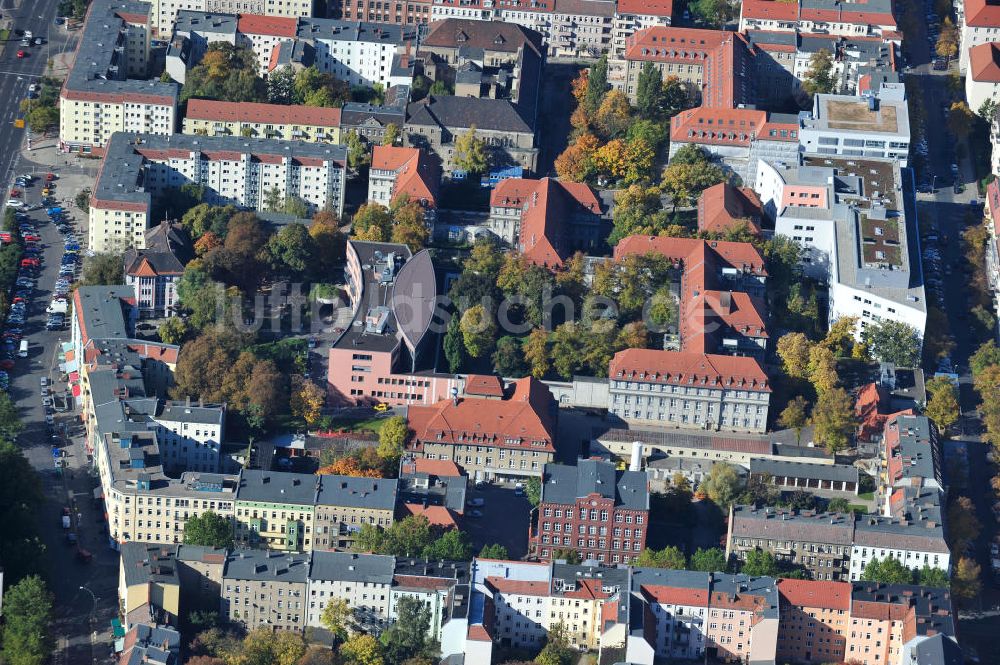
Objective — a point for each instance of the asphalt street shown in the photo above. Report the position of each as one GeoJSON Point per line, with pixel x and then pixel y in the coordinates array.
{"type": "Point", "coordinates": [16, 74]}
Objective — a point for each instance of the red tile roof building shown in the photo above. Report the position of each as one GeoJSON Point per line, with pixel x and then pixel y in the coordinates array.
{"type": "Point", "coordinates": [723, 208]}
{"type": "Point", "coordinates": [489, 438]}
{"type": "Point", "coordinates": [814, 620]}
{"type": "Point", "coordinates": [634, 15]}
{"type": "Point", "coordinates": [684, 389]}
{"type": "Point", "coordinates": [721, 292]}
{"type": "Point", "coordinates": [982, 81]}
{"type": "Point", "coordinates": [548, 220]}
{"type": "Point", "coordinates": [849, 18]}
{"type": "Point", "coordinates": [396, 172]}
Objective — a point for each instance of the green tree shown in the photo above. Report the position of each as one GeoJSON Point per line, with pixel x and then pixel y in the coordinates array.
{"type": "Point", "coordinates": [291, 250]}
{"type": "Point", "coordinates": [362, 649]}
{"type": "Point", "coordinates": [479, 331]}
{"type": "Point", "coordinates": [372, 222]}
{"type": "Point", "coordinates": [27, 638]}
{"type": "Point", "coordinates": [409, 224]}
{"type": "Point", "coordinates": [227, 73]}
{"type": "Point", "coordinates": [273, 201]}
{"type": "Point", "coordinates": [942, 402]}
{"type": "Point", "coordinates": [391, 437]}
{"type": "Point", "coordinates": [210, 530]}
{"type": "Point", "coordinates": [174, 330]}
{"type": "Point", "coordinates": [205, 217]}
{"type": "Point", "coordinates": [494, 551]}
{"type": "Point", "coordinates": [82, 199]}
{"type": "Point", "coordinates": [933, 577]}
{"type": "Point", "coordinates": [570, 556]}
{"type": "Point", "coordinates": [10, 422]}
{"type": "Point", "coordinates": [638, 210]}
{"type": "Point", "coordinates": [715, 13]}
{"type": "Point", "coordinates": [453, 545]}
{"type": "Point", "coordinates": [41, 118]}
{"type": "Point", "coordinates": [597, 85]}
{"type": "Point", "coordinates": [296, 207]}
{"type": "Point", "coordinates": [887, 571]}
{"type": "Point", "coordinates": [20, 500]}
{"type": "Point", "coordinates": [358, 154]}
{"type": "Point", "coordinates": [795, 416]}
{"type": "Point", "coordinates": [392, 134]}
{"type": "Point", "coordinates": [509, 358]}
{"type": "Point", "coordinates": [669, 557]}
{"type": "Point", "coordinates": [536, 352]}
{"type": "Point", "coordinates": [833, 419]}
{"type": "Point", "coordinates": [407, 637]}
{"type": "Point", "coordinates": [722, 485]}
{"type": "Point", "coordinates": [105, 268]}
{"type": "Point", "coordinates": [557, 650]}
{"type": "Point", "coordinates": [689, 173]}
{"type": "Point", "coordinates": [649, 91]}
{"type": "Point", "coordinates": [200, 296]}
{"type": "Point", "coordinates": [533, 490]}
{"type": "Point", "coordinates": [760, 563]}
{"type": "Point", "coordinates": [281, 86]}
{"type": "Point", "coordinates": [893, 342]}
{"type": "Point", "coordinates": [315, 88]}
{"type": "Point", "coordinates": [335, 616]}
{"type": "Point", "coordinates": [441, 88]}
{"type": "Point", "coordinates": [838, 505]}
{"type": "Point", "coordinates": [708, 561]}
{"type": "Point", "coordinates": [819, 77]}
{"type": "Point", "coordinates": [471, 154]}
{"type": "Point", "coordinates": [454, 345]}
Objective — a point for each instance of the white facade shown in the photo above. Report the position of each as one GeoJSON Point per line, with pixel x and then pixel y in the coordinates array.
{"type": "Point", "coordinates": [862, 555]}
{"type": "Point", "coordinates": [165, 11]}
{"type": "Point", "coordinates": [653, 403]}
{"type": "Point", "coordinates": [979, 92]}
{"type": "Point", "coordinates": [365, 598]}
{"type": "Point", "coordinates": [189, 445]}
{"type": "Point", "coordinates": [625, 25]}
{"type": "Point", "coordinates": [521, 618]}
{"type": "Point", "coordinates": [886, 135]}
{"type": "Point", "coordinates": [361, 62]}
{"type": "Point", "coordinates": [675, 620]}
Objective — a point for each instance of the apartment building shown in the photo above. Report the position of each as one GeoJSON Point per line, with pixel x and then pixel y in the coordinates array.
{"type": "Point", "coordinates": [370, 121]}
{"type": "Point", "coordinates": [105, 91]}
{"type": "Point", "coordinates": [363, 580]}
{"type": "Point", "coordinates": [593, 509]}
{"type": "Point", "coordinates": [344, 504]}
{"type": "Point", "coordinates": [979, 24]}
{"type": "Point", "coordinates": [547, 220]}
{"type": "Point", "coordinates": [489, 59]}
{"type": "Point", "coordinates": [721, 294]}
{"type": "Point", "coordinates": [853, 18]}
{"type": "Point", "coordinates": [417, 12]}
{"type": "Point", "coordinates": [819, 542]}
{"type": "Point", "coordinates": [688, 390]}
{"type": "Point", "coordinates": [144, 643]}
{"type": "Point", "coordinates": [311, 124]}
{"type": "Point", "coordinates": [632, 16]}
{"type": "Point", "coordinates": [789, 475]}
{"type": "Point", "coordinates": [435, 123]}
{"type": "Point", "coordinates": [360, 53]}
{"type": "Point", "coordinates": [190, 435]}
{"type": "Point", "coordinates": [264, 588]}
{"type": "Point", "coordinates": [155, 270]}
{"type": "Point", "coordinates": [490, 439]}
{"type": "Point", "coordinates": [982, 78]}
{"type": "Point", "coordinates": [876, 125]}
{"type": "Point", "coordinates": [387, 353]}
{"type": "Point", "coordinates": [165, 13]}
{"type": "Point", "coordinates": [815, 621]}
{"type": "Point", "coordinates": [403, 172]}
{"type": "Point", "coordinates": [234, 171]}
{"type": "Point", "coordinates": [853, 221]}
{"type": "Point", "coordinates": [886, 618]}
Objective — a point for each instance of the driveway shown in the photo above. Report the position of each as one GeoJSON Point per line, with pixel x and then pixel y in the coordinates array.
{"type": "Point", "coordinates": [505, 520]}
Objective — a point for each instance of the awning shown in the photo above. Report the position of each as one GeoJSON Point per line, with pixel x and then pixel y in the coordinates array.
{"type": "Point", "coordinates": [74, 377]}
{"type": "Point", "coordinates": [76, 390]}
{"type": "Point", "coordinates": [72, 365]}
{"type": "Point", "coordinates": [98, 493]}
{"type": "Point", "coordinates": [117, 630]}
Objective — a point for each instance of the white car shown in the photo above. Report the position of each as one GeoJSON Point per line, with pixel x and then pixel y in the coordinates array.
{"type": "Point", "coordinates": [14, 203]}
{"type": "Point", "coordinates": [32, 88]}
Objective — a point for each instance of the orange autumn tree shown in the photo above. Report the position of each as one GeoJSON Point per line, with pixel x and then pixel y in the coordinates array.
{"type": "Point", "coordinates": [347, 466]}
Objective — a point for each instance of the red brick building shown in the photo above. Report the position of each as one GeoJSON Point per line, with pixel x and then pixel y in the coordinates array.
{"type": "Point", "coordinates": [593, 509]}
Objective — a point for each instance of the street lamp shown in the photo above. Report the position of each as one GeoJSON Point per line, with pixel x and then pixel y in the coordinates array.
{"type": "Point", "coordinates": [93, 633]}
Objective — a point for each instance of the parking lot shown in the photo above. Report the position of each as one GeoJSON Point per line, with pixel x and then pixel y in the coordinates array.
{"type": "Point", "coordinates": [503, 521]}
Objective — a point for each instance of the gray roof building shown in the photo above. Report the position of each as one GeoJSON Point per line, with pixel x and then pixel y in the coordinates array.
{"type": "Point", "coordinates": [837, 473]}
{"type": "Point", "coordinates": [789, 525]}
{"type": "Point", "coordinates": [265, 565]}
{"type": "Point", "coordinates": [278, 487]}
{"type": "Point", "coordinates": [144, 563]}
{"type": "Point", "coordinates": [565, 484]}
{"type": "Point", "coordinates": [455, 113]}
{"type": "Point", "coordinates": [350, 567]}
{"type": "Point", "coordinates": [350, 492]}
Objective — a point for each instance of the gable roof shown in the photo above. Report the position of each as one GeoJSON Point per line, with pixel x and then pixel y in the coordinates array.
{"type": "Point", "coordinates": [815, 593]}
{"type": "Point", "coordinates": [210, 109]}
{"type": "Point", "coordinates": [524, 420]}
{"type": "Point", "coordinates": [663, 8]}
{"type": "Point", "coordinates": [565, 484]}
{"type": "Point", "coordinates": [721, 207]}
{"type": "Point", "coordinates": [547, 210]}
{"type": "Point", "coordinates": [499, 115]}
{"type": "Point", "coordinates": [685, 368]}
{"type": "Point", "coordinates": [984, 63]}
{"type": "Point", "coordinates": [439, 516]}
{"type": "Point", "coordinates": [982, 14]}
{"type": "Point", "coordinates": [486, 35]}
{"type": "Point", "coordinates": [416, 176]}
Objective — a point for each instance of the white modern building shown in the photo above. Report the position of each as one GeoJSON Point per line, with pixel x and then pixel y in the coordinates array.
{"type": "Point", "coordinates": [849, 215]}
{"type": "Point", "coordinates": [363, 580]}
{"type": "Point", "coordinates": [876, 124]}
{"type": "Point", "coordinates": [245, 172]}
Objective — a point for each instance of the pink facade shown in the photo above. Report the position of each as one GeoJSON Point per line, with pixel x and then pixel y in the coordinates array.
{"type": "Point", "coordinates": [358, 376]}
{"type": "Point", "coordinates": [804, 196]}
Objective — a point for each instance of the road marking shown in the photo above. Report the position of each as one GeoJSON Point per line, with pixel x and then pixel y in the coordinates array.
{"type": "Point", "coordinates": [20, 74]}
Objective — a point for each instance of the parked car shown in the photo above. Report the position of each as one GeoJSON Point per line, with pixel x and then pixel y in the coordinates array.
{"type": "Point", "coordinates": [14, 203]}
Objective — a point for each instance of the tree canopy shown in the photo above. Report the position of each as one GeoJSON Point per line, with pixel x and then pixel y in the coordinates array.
{"type": "Point", "coordinates": [225, 73]}
{"type": "Point", "coordinates": [210, 530]}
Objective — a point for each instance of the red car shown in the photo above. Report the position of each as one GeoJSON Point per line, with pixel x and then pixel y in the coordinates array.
{"type": "Point", "coordinates": [22, 54]}
{"type": "Point", "coordinates": [49, 177]}
{"type": "Point", "coordinates": [5, 237]}
{"type": "Point", "coordinates": [29, 263]}
{"type": "Point", "coordinates": [15, 192]}
{"type": "Point", "coordinates": [31, 238]}
{"type": "Point", "coordinates": [7, 364]}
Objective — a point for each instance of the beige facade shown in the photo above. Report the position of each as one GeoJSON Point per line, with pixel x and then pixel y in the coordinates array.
{"type": "Point", "coordinates": [487, 461]}
{"type": "Point", "coordinates": [252, 126]}
{"type": "Point", "coordinates": [336, 526]}
{"type": "Point", "coordinates": [274, 526]}
{"type": "Point", "coordinates": [114, 230]}
{"type": "Point", "coordinates": [265, 589]}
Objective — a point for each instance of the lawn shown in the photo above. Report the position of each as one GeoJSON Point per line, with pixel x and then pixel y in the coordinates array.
{"type": "Point", "coordinates": [4, 35]}
{"type": "Point", "coordinates": [372, 425]}
{"type": "Point", "coordinates": [867, 496]}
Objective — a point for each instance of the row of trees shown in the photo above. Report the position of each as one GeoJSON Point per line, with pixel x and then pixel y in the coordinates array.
{"type": "Point", "coordinates": [964, 583]}
{"type": "Point", "coordinates": [414, 536]}
{"type": "Point", "coordinates": [379, 461]}
{"type": "Point", "coordinates": [402, 222]}
{"type": "Point", "coordinates": [611, 140]}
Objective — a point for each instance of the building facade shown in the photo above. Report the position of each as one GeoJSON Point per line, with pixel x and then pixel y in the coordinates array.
{"type": "Point", "coordinates": [207, 117]}
{"type": "Point", "coordinates": [155, 270]}
{"type": "Point", "coordinates": [262, 588]}
{"type": "Point", "coordinates": [594, 510]}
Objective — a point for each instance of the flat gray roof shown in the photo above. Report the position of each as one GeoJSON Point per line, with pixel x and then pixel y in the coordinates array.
{"type": "Point", "coordinates": [350, 567]}
{"type": "Point", "coordinates": [266, 565]}
{"type": "Point", "coordinates": [832, 472]}
{"type": "Point", "coordinates": [565, 484]}
{"type": "Point", "coordinates": [278, 487]}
